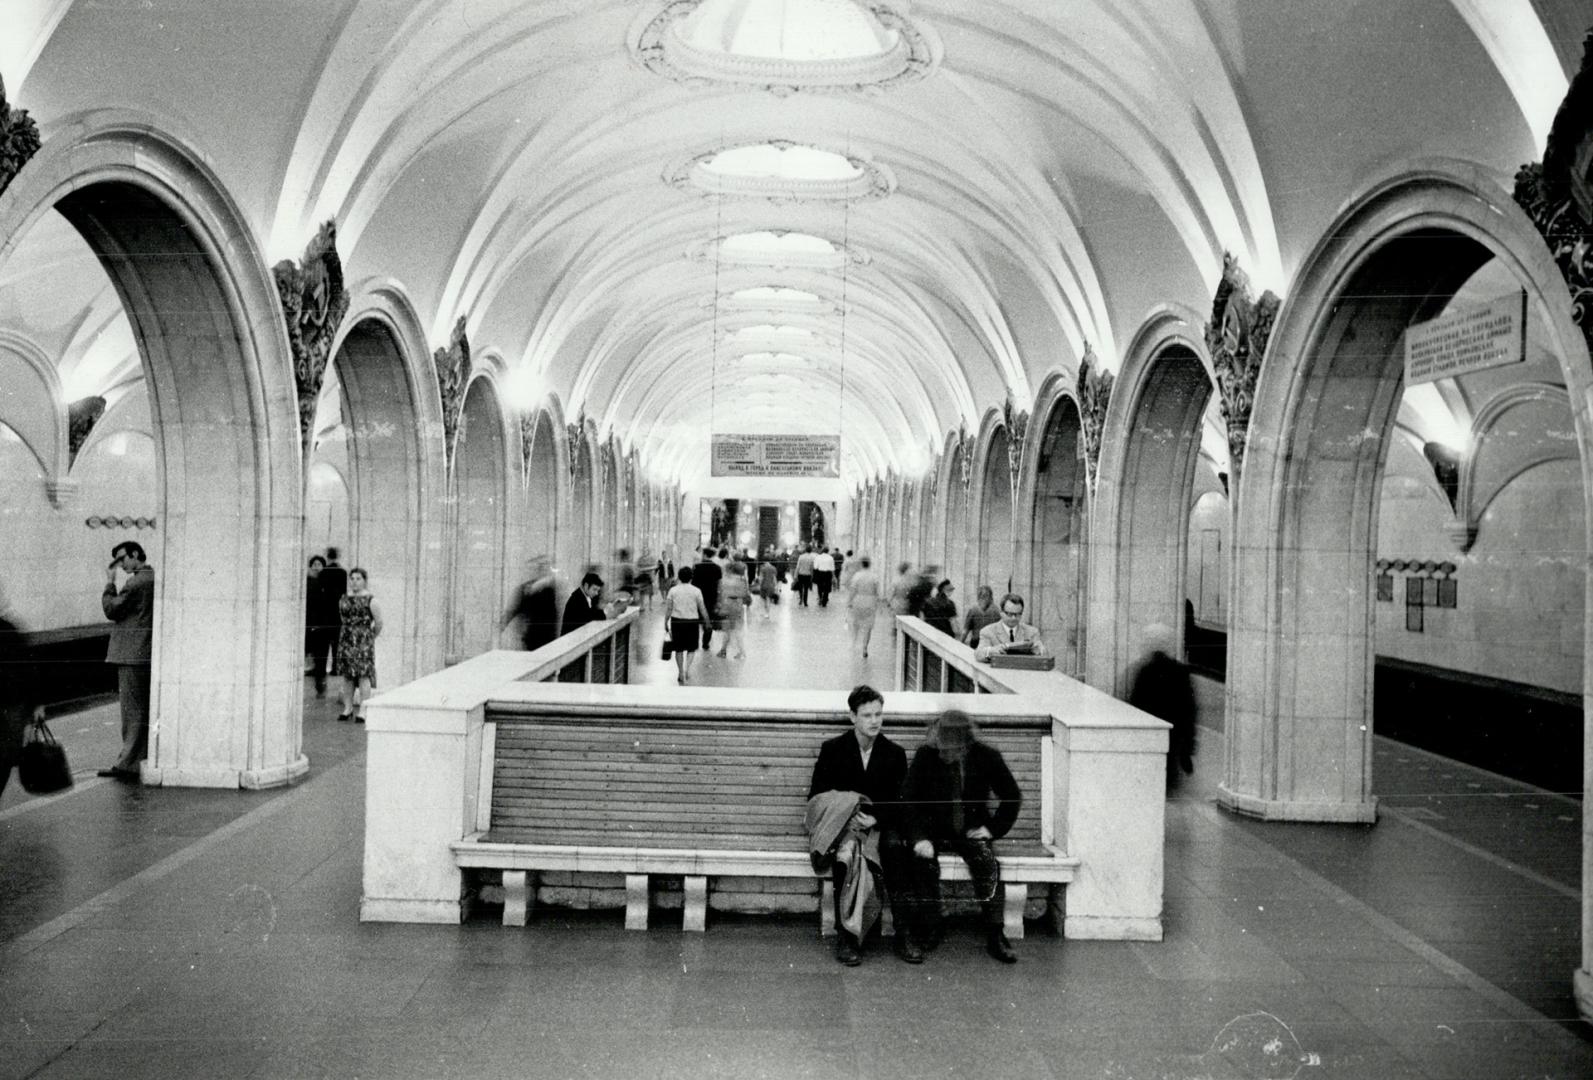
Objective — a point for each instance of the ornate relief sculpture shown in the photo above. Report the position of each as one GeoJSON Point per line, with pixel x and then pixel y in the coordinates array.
{"type": "Point", "coordinates": [19, 139]}
{"type": "Point", "coordinates": [453, 374]}
{"type": "Point", "coordinates": [1017, 422]}
{"type": "Point", "coordinates": [1094, 391]}
{"type": "Point", "coordinates": [528, 432]}
{"type": "Point", "coordinates": [1237, 337]}
{"type": "Point", "coordinates": [965, 468]}
{"type": "Point", "coordinates": [314, 302]}
{"type": "Point", "coordinates": [81, 416]}
{"type": "Point", "coordinates": [1558, 194]}
{"type": "Point", "coordinates": [573, 432]}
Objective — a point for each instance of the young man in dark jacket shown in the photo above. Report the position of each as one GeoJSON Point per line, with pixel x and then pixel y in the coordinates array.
{"type": "Point", "coordinates": [950, 785]}
{"type": "Point", "coordinates": [865, 761]}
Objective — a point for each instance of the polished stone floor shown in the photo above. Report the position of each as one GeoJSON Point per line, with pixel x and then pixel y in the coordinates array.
{"type": "Point", "coordinates": [206, 934]}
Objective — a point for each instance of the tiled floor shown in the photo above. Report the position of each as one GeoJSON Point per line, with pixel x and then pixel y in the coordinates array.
{"type": "Point", "coordinates": [179, 933]}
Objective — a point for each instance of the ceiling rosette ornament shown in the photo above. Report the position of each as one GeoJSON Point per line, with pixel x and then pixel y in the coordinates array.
{"type": "Point", "coordinates": [1017, 421]}
{"type": "Point", "coordinates": [314, 302]}
{"type": "Point", "coordinates": [1237, 337]}
{"type": "Point", "coordinates": [453, 375]}
{"type": "Point", "coordinates": [19, 139]}
{"type": "Point", "coordinates": [687, 45]}
{"type": "Point", "coordinates": [1094, 390]}
{"type": "Point", "coordinates": [1558, 192]}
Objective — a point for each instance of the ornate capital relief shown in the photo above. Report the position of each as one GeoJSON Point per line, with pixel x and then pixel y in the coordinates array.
{"type": "Point", "coordinates": [1094, 390]}
{"type": "Point", "coordinates": [62, 493]}
{"type": "Point", "coordinates": [573, 432]}
{"type": "Point", "coordinates": [1017, 422]}
{"type": "Point", "coordinates": [1558, 193]}
{"type": "Point", "coordinates": [453, 375]}
{"type": "Point", "coordinates": [965, 466]}
{"type": "Point", "coordinates": [1237, 337]}
{"type": "Point", "coordinates": [690, 174]}
{"type": "Point", "coordinates": [19, 139]}
{"type": "Point", "coordinates": [313, 304]}
{"type": "Point", "coordinates": [658, 45]}
{"type": "Point", "coordinates": [528, 433]}
{"type": "Point", "coordinates": [81, 416]}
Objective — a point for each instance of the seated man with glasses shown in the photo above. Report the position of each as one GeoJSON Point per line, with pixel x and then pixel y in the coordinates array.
{"type": "Point", "coordinates": [1011, 635]}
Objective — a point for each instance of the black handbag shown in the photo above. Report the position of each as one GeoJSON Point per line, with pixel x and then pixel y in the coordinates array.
{"type": "Point", "coordinates": [42, 767]}
{"type": "Point", "coordinates": [668, 651]}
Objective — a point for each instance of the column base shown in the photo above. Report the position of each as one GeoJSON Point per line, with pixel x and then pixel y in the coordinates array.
{"type": "Point", "coordinates": [377, 909]}
{"type": "Point", "coordinates": [1582, 984]}
{"type": "Point", "coordinates": [1111, 928]}
{"type": "Point", "coordinates": [1336, 813]}
{"type": "Point", "coordinates": [276, 776]}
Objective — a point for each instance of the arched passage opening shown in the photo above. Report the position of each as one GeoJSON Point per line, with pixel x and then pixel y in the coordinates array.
{"type": "Point", "coordinates": [1057, 535]}
{"type": "Point", "coordinates": [225, 696]}
{"type": "Point", "coordinates": [1150, 452]}
{"type": "Point", "coordinates": [1311, 494]}
{"type": "Point", "coordinates": [995, 517]}
{"type": "Point", "coordinates": [481, 502]}
{"type": "Point", "coordinates": [955, 537]}
{"type": "Point", "coordinates": [542, 489]}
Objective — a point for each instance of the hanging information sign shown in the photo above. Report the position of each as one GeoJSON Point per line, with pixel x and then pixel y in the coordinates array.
{"type": "Point", "coordinates": [777, 455]}
{"type": "Point", "coordinates": [1485, 336]}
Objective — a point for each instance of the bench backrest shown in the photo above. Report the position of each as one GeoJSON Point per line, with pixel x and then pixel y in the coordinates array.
{"type": "Point", "coordinates": [673, 782]}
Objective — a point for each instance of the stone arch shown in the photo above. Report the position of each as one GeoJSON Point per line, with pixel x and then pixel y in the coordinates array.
{"type": "Point", "coordinates": [1150, 445]}
{"type": "Point", "coordinates": [1052, 518]}
{"type": "Point", "coordinates": [545, 483]}
{"type": "Point", "coordinates": [396, 473]}
{"type": "Point", "coordinates": [483, 492]}
{"type": "Point", "coordinates": [226, 702]}
{"type": "Point", "coordinates": [928, 491]}
{"type": "Point", "coordinates": [607, 502]}
{"type": "Point", "coordinates": [991, 501]}
{"type": "Point", "coordinates": [954, 513]}
{"type": "Point", "coordinates": [584, 500]}
{"type": "Point", "coordinates": [1300, 656]}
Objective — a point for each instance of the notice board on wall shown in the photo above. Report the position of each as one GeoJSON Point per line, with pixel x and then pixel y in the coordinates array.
{"type": "Point", "coordinates": [1470, 339]}
{"type": "Point", "coordinates": [777, 455]}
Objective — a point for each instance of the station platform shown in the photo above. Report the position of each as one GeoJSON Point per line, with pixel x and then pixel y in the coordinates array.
{"type": "Point", "coordinates": [180, 933]}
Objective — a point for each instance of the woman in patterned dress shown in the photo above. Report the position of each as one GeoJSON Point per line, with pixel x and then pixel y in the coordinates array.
{"type": "Point", "coordinates": [356, 645]}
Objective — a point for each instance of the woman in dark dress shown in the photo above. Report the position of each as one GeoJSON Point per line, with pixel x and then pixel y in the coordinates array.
{"type": "Point", "coordinates": [356, 645]}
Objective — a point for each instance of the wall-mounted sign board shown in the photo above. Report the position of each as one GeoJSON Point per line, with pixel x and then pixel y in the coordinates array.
{"type": "Point", "coordinates": [1471, 339]}
{"type": "Point", "coordinates": [777, 455]}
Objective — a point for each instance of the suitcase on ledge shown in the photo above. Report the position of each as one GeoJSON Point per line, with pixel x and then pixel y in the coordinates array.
{"type": "Point", "coordinates": [1021, 662]}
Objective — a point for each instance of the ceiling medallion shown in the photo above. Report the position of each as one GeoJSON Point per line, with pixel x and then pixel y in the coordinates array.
{"type": "Point", "coordinates": [777, 258]}
{"type": "Point", "coordinates": [659, 40]}
{"type": "Point", "coordinates": [868, 179]}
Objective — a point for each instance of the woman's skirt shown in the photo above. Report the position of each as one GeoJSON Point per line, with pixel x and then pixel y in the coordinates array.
{"type": "Point", "coordinates": [683, 634]}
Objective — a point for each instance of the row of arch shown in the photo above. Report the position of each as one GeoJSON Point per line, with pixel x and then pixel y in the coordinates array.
{"type": "Point", "coordinates": [443, 535]}
{"type": "Point", "coordinates": [1102, 561]}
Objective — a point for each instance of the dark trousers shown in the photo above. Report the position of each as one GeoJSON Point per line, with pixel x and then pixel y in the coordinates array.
{"type": "Point", "coordinates": [804, 582]}
{"type": "Point", "coordinates": [924, 878]}
{"type": "Point", "coordinates": [320, 641]}
{"type": "Point", "coordinates": [132, 688]}
{"type": "Point", "coordinates": [822, 580]}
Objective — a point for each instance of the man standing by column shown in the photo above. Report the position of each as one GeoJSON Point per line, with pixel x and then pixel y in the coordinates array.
{"type": "Point", "coordinates": [132, 609]}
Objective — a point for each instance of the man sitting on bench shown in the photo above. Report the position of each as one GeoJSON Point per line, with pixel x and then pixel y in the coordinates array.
{"type": "Point", "coordinates": [946, 807]}
{"type": "Point", "coordinates": [866, 762]}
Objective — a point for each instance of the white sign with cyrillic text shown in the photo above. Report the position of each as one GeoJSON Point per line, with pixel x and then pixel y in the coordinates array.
{"type": "Point", "coordinates": [1473, 339]}
{"type": "Point", "coordinates": [777, 455]}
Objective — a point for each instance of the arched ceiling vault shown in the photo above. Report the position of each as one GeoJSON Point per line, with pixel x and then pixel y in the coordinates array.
{"type": "Point", "coordinates": [1056, 170]}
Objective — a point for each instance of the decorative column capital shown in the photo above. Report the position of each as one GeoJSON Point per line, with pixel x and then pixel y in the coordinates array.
{"type": "Point", "coordinates": [452, 366]}
{"type": "Point", "coordinates": [1017, 422]}
{"type": "Point", "coordinates": [62, 493]}
{"type": "Point", "coordinates": [965, 450]}
{"type": "Point", "coordinates": [1237, 337]}
{"type": "Point", "coordinates": [81, 416]}
{"type": "Point", "coordinates": [573, 432]}
{"type": "Point", "coordinates": [528, 431]}
{"type": "Point", "coordinates": [19, 139]}
{"type": "Point", "coordinates": [1558, 193]}
{"type": "Point", "coordinates": [1094, 390]}
{"type": "Point", "coordinates": [314, 302]}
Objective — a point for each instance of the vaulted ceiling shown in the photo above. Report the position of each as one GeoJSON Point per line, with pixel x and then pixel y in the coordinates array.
{"type": "Point", "coordinates": [997, 185]}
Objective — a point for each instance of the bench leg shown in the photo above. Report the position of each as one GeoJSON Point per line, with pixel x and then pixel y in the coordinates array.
{"type": "Point", "coordinates": [696, 901]}
{"type": "Point", "coordinates": [826, 908]}
{"type": "Point", "coordinates": [1012, 911]}
{"type": "Point", "coordinates": [636, 901]}
{"type": "Point", "coordinates": [516, 898]}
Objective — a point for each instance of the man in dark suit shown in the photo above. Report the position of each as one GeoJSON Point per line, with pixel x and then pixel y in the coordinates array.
{"type": "Point", "coordinates": [865, 761]}
{"type": "Point", "coordinates": [583, 607]}
{"type": "Point", "coordinates": [132, 609]}
{"type": "Point", "coordinates": [705, 575]}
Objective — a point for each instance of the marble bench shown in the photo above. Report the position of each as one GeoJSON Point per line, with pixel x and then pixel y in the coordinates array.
{"type": "Point", "coordinates": [700, 799]}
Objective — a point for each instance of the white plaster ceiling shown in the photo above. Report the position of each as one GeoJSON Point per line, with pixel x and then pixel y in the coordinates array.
{"type": "Point", "coordinates": [1060, 169]}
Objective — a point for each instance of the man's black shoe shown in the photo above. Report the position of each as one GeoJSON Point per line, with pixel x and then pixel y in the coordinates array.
{"type": "Point", "coordinates": [119, 774]}
{"type": "Point", "coordinates": [999, 947]}
{"type": "Point", "coordinates": [908, 949]}
{"type": "Point", "coordinates": [846, 949]}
